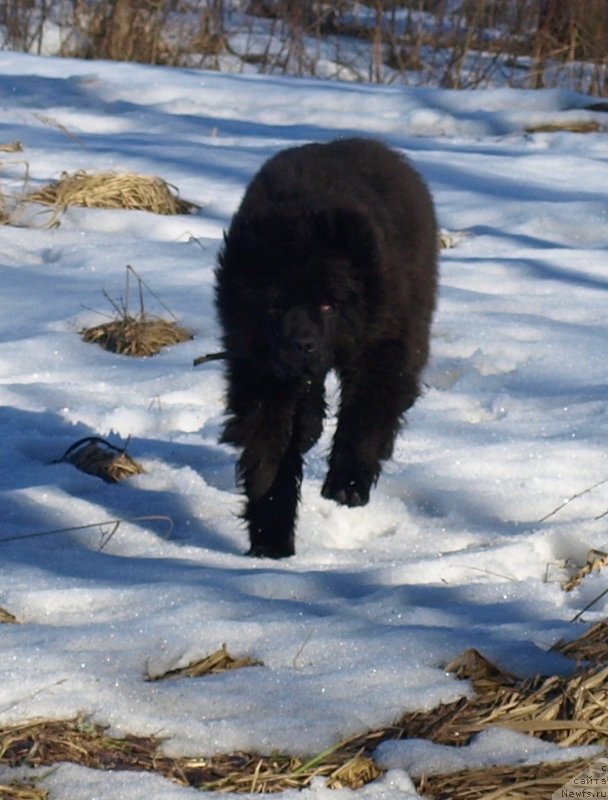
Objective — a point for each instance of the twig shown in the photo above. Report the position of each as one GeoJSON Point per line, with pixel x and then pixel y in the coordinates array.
{"type": "Point", "coordinates": [192, 239]}
{"type": "Point", "coordinates": [53, 123]}
{"type": "Point", "coordinates": [574, 497]}
{"type": "Point", "coordinates": [122, 307]}
{"type": "Point", "coordinates": [90, 439]}
{"type": "Point", "coordinates": [116, 522]}
{"type": "Point", "coordinates": [105, 537]}
{"type": "Point", "coordinates": [301, 648]}
{"type": "Point", "coordinates": [588, 606]}
{"type": "Point", "coordinates": [121, 311]}
{"type": "Point", "coordinates": [32, 695]}
{"type": "Point", "coordinates": [223, 354]}
{"type": "Point", "coordinates": [509, 578]}
{"type": "Point", "coordinates": [143, 284]}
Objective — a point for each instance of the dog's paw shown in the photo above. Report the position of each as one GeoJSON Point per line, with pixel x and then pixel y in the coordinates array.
{"type": "Point", "coordinates": [271, 550]}
{"type": "Point", "coordinates": [347, 490]}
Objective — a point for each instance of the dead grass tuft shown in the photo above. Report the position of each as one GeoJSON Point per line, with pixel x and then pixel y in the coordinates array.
{"type": "Point", "coordinates": [529, 782]}
{"type": "Point", "coordinates": [9, 202]}
{"type": "Point", "coordinates": [341, 768]}
{"type": "Point", "coordinates": [22, 791]}
{"type": "Point", "coordinates": [7, 618]}
{"type": "Point", "coordinates": [140, 335]}
{"type": "Point", "coordinates": [582, 126]}
{"type": "Point", "coordinates": [98, 457]}
{"type": "Point", "coordinates": [484, 675]}
{"type": "Point", "coordinates": [596, 560]}
{"type": "Point", "coordinates": [214, 664]}
{"type": "Point", "coordinates": [592, 647]}
{"type": "Point", "coordinates": [111, 190]}
{"type": "Point", "coordinates": [11, 147]}
{"type": "Point", "coordinates": [43, 743]}
{"type": "Point", "coordinates": [566, 710]}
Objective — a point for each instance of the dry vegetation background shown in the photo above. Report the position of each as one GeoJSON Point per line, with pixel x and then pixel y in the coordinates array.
{"type": "Point", "coordinates": [466, 44]}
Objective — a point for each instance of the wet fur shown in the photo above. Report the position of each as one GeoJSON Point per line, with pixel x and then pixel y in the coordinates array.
{"type": "Point", "coordinates": [330, 262]}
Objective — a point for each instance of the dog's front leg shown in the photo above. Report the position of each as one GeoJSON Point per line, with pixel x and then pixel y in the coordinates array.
{"type": "Point", "coordinates": [376, 392]}
{"type": "Point", "coordinates": [262, 417]}
{"type": "Point", "coordinates": [271, 517]}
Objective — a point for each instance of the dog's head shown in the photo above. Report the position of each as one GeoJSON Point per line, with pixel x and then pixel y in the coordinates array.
{"type": "Point", "coordinates": [295, 291]}
{"type": "Point", "coordinates": [301, 339]}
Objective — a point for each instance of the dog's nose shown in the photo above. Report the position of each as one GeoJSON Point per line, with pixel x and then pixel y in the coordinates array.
{"type": "Point", "coordinates": [304, 345]}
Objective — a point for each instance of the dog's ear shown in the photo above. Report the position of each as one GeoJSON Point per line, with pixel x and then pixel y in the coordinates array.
{"type": "Point", "coordinates": [348, 233]}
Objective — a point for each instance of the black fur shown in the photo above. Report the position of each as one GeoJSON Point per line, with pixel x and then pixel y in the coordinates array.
{"type": "Point", "coordinates": [329, 263]}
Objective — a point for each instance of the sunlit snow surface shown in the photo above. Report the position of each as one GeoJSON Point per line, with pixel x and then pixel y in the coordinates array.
{"type": "Point", "coordinates": [451, 552]}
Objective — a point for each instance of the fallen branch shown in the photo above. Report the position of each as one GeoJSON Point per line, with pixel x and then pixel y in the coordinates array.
{"type": "Point", "coordinates": [223, 354]}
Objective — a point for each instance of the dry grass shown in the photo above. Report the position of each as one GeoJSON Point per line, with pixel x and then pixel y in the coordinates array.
{"type": "Point", "coordinates": [564, 710]}
{"type": "Point", "coordinates": [596, 560]}
{"type": "Point", "coordinates": [141, 335]}
{"type": "Point", "coordinates": [588, 126]}
{"type": "Point", "coordinates": [532, 782]}
{"type": "Point", "coordinates": [484, 675]}
{"type": "Point", "coordinates": [7, 618]}
{"type": "Point", "coordinates": [21, 791]}
{"type": "Point", "coordinates": [347, 765]}
{"type": "Point", "coordinates": [5, 212]}
{"type": "Point", "coordinates": [214, 664]}
{"type": "Point", "coordinates": [341, 768]}
{"type": "Point", "coordinates": [448, 240]}
{"type": "Point", "coordinates": [567, 711]}
{"type": "Point", "coordinates": [98, 457]}
{"type": "Point", "coordinates": [11, 147]}
{"type": "Point", "coordinates": [111, 190]}
{"type": "Point", "coordinates": [44, 743]}
{"type": "Point", "coordinates": [592, 647]}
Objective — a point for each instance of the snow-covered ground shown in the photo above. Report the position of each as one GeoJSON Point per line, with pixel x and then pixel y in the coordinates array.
{"type": "Point", "coordinates": [451, 552]}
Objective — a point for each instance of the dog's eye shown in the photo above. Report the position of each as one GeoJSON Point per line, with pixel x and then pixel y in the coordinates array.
{"type": "Point", "coordinates": [327, 308]}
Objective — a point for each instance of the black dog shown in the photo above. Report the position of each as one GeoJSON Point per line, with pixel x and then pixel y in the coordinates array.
{"type": "Point", "coordinates": [329, 263]}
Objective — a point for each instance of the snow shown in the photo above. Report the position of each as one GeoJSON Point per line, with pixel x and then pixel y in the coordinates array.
{"type": "Point", "coordinates": [451, 552]}
{"type": "Point", "coordinates": [419, 757]}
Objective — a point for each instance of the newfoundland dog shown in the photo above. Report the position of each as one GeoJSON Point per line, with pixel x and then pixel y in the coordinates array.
{"type": "Point", "coordinates": [330, 262]}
